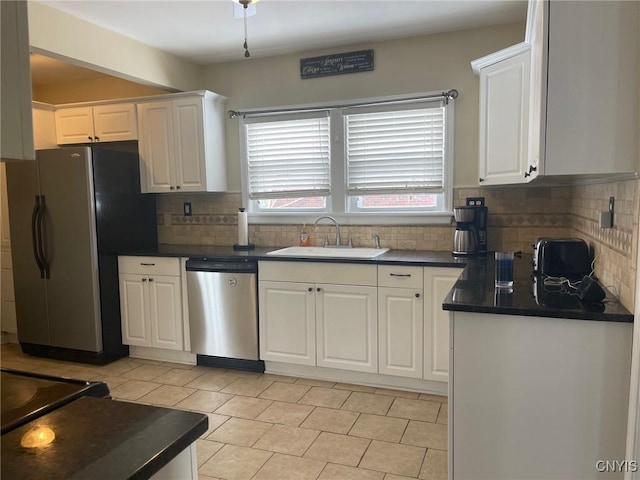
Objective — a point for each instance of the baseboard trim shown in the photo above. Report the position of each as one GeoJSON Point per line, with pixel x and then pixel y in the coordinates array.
{"type": "Point", "coordinates": [358, 378]}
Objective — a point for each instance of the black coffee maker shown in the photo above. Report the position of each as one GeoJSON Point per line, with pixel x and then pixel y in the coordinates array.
{"type": "Point", "coordinates": [470, 236]}
{"type": "Point", "coordinates": [479, 223]}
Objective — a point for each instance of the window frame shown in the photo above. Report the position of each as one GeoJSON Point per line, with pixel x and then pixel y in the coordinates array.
{"type": "Point", "coordinates": [337, 200]}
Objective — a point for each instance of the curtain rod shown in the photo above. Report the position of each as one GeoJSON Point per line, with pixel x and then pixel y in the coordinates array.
{"type": "Point", "coordinates": [448, 95]}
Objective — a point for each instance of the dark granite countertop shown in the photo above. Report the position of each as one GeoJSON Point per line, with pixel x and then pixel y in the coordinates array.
{"type": "Point", "coordinates": [473, 292]}
{"type": "Point", "coordinates": [392, 257]}
{"type": "Point", "coordinates": [99, 438]}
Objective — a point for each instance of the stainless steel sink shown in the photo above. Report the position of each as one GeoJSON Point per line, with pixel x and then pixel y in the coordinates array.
{"type": "Point", "coordinates": [329, 252]}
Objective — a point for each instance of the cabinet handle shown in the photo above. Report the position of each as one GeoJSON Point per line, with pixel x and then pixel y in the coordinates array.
{"type": "Point", "coordinates": [144, 279]}
{"type": "Point", "coordinates": [405, 275]}
{"type": "Point", "coordinates": [318, 289]}
{"type": "Point", "coordinates": [151, 279]}
{"type": "Point", "coordinates": [310, 289]}
{"type": "Point", "coordinates": [531, 169]}
{"type": "Point", "coordinates": [480, 180]}
{"type": "Point", "coordinates": [178, 187]}
{"type": "Point", "coordinates": [147, 264]}
{"type": "Point", "coordinates": [417, 295]}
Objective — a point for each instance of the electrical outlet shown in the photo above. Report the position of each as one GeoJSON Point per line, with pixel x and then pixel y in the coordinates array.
{"type": "Point", "coordinates": [186, 209]}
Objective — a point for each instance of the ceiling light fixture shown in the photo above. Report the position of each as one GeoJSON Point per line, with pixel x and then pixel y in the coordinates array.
{"type": "Point", "coordinates": [245, 13]}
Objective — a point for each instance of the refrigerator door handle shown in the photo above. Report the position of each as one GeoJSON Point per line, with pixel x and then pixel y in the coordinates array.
{"type": "Point", "coordinates": [44, 242]}
{"type": "Point", "coordinates": [35, 235]}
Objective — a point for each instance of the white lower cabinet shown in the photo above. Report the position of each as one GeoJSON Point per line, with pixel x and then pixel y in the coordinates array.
{"type": "Point", "coordinates": [385, 319]}
{"type": "Point", "coordinates": [151, 302]}
{"type": "Point", "coordinates": [400, 323]}
{"type": "Point", "coordinates": [347, 327]}
{"type": "Point", "coordinates": [437, 283]}
{"type": "Point", "coordinates": [287, 322]}
{"type": "Point", "coordinates": [311, 320]}
{"type": "Point", "coordinates": [400, 347]}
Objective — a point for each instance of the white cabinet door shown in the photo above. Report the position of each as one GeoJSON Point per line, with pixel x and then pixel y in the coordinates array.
{"type": "Point", "coordinates": [134, 310]}
{"type": "Point", "coordinates": [589, 132]}
{"type": "Point", "coordinates": [188, 116]}
{"type": "Point", "coordinates": [74, 125]}
{"type": "Point", "coordinates": [182, 144]}
{"type": "Point", "coordinates": [347, 327]}
{"type": "Point", "coordinates": [287, 322]}
{"type": "Point", "coordinates": [16, 129]}
{"type": "Point", "coordinates": [504, 121]}
{"type": "Point", "coordinates": [437, 283]}
{"type": "Point", "coordinates": [100, 123]}
{"type": "Point", "coordinates": [400, 337]}
{"type": "Point", "coordinates": [115, 123]}
{"type": "Point", "coordinates": [165, 308]}
{"type": "Point", "coordinates": [156, 147]}
{"type": "Point", "coordinates": [44, 126]}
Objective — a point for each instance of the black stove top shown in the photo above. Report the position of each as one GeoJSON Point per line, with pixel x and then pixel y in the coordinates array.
{"type": "Point", "coordinates": [26, 396]}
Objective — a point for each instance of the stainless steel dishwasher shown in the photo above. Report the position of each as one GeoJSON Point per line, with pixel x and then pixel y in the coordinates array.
{"type": "Point", "coordinates": [223, 312]}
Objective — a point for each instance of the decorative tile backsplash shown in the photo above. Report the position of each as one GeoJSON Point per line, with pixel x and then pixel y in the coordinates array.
{"type": "Point", "coordinates": [517, 218]}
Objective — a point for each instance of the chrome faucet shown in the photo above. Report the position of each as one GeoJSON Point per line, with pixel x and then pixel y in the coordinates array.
{"type": "Point", "coordinates": [376, 239]}
{"type": "Point", "coordinates": [337, 225]}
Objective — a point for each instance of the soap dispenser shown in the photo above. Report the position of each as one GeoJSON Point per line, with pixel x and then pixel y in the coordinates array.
{"type": "Point", "coordinates": [305, 241]}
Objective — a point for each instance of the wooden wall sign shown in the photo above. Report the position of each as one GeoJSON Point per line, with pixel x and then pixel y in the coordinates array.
{"type": "Point", "coordinates": [336, 64]}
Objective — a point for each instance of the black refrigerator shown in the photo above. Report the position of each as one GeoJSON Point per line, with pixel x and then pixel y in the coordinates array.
{"type": "Point", "coordinates": [71, 212]}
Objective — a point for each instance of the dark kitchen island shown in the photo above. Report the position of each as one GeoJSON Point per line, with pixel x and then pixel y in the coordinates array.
{"type": "Point", "coordinates": [99, 438]}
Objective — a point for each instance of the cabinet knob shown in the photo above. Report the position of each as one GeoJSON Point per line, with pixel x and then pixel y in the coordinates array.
{"type": "Point", "coordinates": [144, 279]}
{"type": "Point", "coordinates": [417, 295]}
{"type": "Point", "coordinates": [318, 289]}
{"type": "Point", "coordinates": [310, 289]}
{"type": "Point", "coordinates": [178, 187]}
{"type": "Point", "coordinates": [172, 187]}
{"type": "Point", "coordinates": [481, 180]}
{"type": "Point", "coordinates": [151, 279]}
{"type": "Point", "coordinates": [90, 139]}
{"type": "Point", "coordinates": [97, 139]}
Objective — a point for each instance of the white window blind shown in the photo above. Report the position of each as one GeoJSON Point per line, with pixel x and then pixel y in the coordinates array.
{"type": "Point", "coordinates": [395, 149]}
{"type": "Point", "coordinates": [288, 157]}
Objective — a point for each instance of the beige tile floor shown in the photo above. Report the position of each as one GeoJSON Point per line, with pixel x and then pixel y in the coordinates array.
{"type": "Point", "coordinates": [265, 426]}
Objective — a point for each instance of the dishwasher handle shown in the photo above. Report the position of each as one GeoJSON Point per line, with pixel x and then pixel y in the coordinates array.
{"type": "Point", "coordinates": [221, 266]}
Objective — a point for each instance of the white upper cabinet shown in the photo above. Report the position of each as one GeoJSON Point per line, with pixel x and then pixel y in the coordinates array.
{"type": "Point", "coordinates": [564, 102]}
{"type": "Point", "coordinates": [15, 104]}
{"type": "Point", "coordinates": [182, 144]}
{"type": "Point", "coordinates": [44, 126]}
{"type": "Point", "coordinates": [593, 87]}
{"type": "Point", "coordinates": [504, 117]}
{"type": "Point", "coordinates": [100, 123]}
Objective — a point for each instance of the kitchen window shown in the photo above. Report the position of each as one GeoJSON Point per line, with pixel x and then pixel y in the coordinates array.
{"type": "Point", "coordinates": [390, 160]}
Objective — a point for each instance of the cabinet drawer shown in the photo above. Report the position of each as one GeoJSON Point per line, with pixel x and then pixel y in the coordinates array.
{"type": "Point", "coordinates": [399, 276]}
{"type": "Point", "coordinates": [149, 265]}
{"type": "Point", "coordinates": [336, 273]}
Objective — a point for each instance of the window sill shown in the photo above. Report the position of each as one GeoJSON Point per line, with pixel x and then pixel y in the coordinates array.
{"type": "Point", "coordinates": [378, 218]}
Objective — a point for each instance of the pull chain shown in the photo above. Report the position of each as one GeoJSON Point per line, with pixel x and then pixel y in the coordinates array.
{"type": "Point", "coordinates": [245, 46]}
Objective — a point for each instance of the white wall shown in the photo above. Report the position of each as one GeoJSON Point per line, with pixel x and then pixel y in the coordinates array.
{"type": "Point", "coordinates": [58, 34]}
{"type": "Point", "coordinates": [418, 64]}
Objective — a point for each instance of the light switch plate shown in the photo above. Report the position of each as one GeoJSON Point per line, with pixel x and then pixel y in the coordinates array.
{"type": "Point", "coordinates": [606, 220]}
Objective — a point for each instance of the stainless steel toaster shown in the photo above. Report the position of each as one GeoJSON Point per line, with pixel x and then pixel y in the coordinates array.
{"type": "Point", "coordinates": [561, 257]}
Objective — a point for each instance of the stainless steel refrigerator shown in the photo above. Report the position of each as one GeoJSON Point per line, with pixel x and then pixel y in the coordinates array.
{"type": "Point", "coordinates": [71, 212]}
